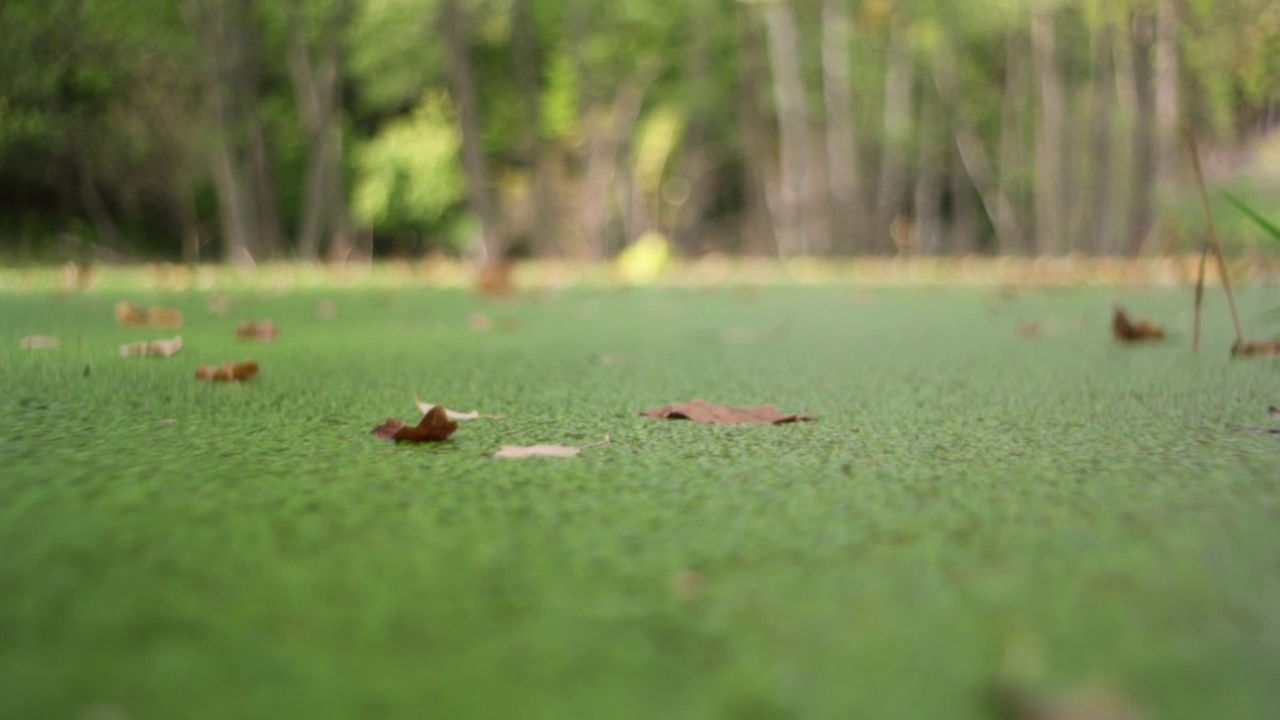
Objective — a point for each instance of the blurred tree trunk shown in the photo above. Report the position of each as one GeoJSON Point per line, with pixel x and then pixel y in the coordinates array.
{"type": "Point", "coordinates": [462, 90]}
{"type": "Point", "coordinates": [1010, 236]}
{"type": "Point", "coordinates": [971, 153]}
{"type": "Point", "coordinates": [890, 195]}
{"type": "Point", "coordinates": [964, 212]}
{"type": "Point", "coordinates": [755, 139]}
{"type": "Point", "coordinates": [1050, 136]}
{"type": "Point", "coordinates": [1096, 223]}
{"type": "Point", "coordinates": [545, 233]}
{"type": "Point", "coordinates": [1167, 109]}
{"type": "Point", "coordinates": [792, 215]}
{"type": "Point", "coordinates": [1141, 203]}
{"type": "Point", "coordinates": [315, 68]}
{"type": "Point", "coordinates": [927, 198]}
{"type": "Point", "coordinates": [846, 206]}
{"type": "Point", "coordinates": [695, 163]}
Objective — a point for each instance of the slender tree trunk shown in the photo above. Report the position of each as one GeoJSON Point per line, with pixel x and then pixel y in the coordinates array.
{"type": "Point", "coordinates": [544, 235]}
{"type": "Point", "coordinates": [757, 151]}
{"type": "Point", "coordinates": [890, 195]}
{"type": "Point", "coordinates": [792, 220]}
{"type": "Point", "coordinates": [846, 208]}
{"type": "Point", "coordinates": [1166, 106]}
{"type": "Point", "coordinates": [462, 87]}
{"type": "Point", "coordinates": [1050, 136]}
{"type": "Point", "coordinates": [1010, 236]}
{"type": "Point", "coordinates": [1097, 222]}
{"type": "Point", "coordinates": [964, 212]}
{"type": "Point", "coordinates": [927, 198]}
{"type": "Point", "coordinates": [1142, 202]}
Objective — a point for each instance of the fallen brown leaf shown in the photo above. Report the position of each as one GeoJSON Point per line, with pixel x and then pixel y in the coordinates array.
{"type": "Point", "coordinates": [1126, 330]}
{"type": "Point", "coordinates": [228, 371]}
{"type": "Point", "coordinates": [435, 426]}
{"type": "Point", "coordinates": [1260, 348]}
{"type": "Point", "coordinates": [427, 407]}
{"type": "Point", "coordinates": [703, 411]}
{"type": "Point", "coordinates": [130, 315]}
{"type": "Point", "coordinates": [39, 342]}
{"type": "Point", "coordinates": [1273, 411]}
{"type": "Point", "coordinates": [258, 330]}
{"type": "Point", "coordinates": [495, 279]}
{"type": "Point", "coordinates": [152, 348]}
{"type": "Point", "coordinates": [516, 452]}
{"type": "Point", "coordinates": [1028, 329]}
{"type": "Point", "coordinates": [1088, 702]}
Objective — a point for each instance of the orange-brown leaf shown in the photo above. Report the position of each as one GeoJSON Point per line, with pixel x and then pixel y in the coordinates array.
{"type": "Point", "coordinates": [1260, 348]}
{"type": "Point", "coordinates": [495, 279]}
{"type": "Point", "coordinates": [258, 330]}
{"type": "Point", "coordinates": [1126, 330]}
{"type": "Point", "coordinates": [707, 412]}
{"type": "Point", "coordinates": [130, 315]}
{"type": "Point", "coordinates": [434, 427]}
{"type": "Point", "coordinates": [228, 371]}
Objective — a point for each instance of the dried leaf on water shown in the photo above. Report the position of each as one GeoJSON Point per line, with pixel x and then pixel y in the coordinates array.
{"type": "Point", "coordinates": [130, 315]}
{"type": "Point", "coordinates": [435, 426]}
{"type": "Point", "coordinates": [1126, 330]}
{"type": "Point", "coordinates": [40, 342]}
{"type": "Point", "coordinates": [707, 412]}
{"type": "Point", "coordinates": [152, 348]}
{"type": "Point", "coordinates": [1256, 348]}
{"type": "Point", "coordinates": [517, 452]}
{"type": "Point", "coordinates": [258, 330]}
{"type": "Point", "coordinates": [427, 407]}
{"type": "Point", "coordinates": [229, 371]}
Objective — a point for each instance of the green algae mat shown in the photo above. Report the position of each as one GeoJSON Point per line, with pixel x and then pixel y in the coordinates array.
{"type": "Point", "coordinates": [983, 473]}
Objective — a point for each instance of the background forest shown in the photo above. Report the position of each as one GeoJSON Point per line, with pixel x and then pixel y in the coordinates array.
{"type": "Point", "coordinates": [307, 129]}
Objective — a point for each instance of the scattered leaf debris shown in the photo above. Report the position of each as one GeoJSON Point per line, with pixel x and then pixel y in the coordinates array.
{"type": "Point", "coordinates": [1126, 330]}
{"type": "Point", "coordinates": [1256, 348]}
{"type": "Point", "coordinates": [427, 407]}
{"type": "Point", "coordinates": [40, 342]}
{"type": "Point", "coordinates": [1087, 702]}
{"type": "Point", "coordinates": [152, 348]}
{"type": "Point", "coordinates": [258, 330]}
{"type": "Point", "coordinates": [228, 371]}
{"type": "Point", "coordinates": [707, 412]}
{"type": "Point", "coordinates": [516, 452]}
{"type": "Point", "coordinates": [435, 426]}
{"type": "Point", "coordinates": [130, 315]}
{"type": "Point", "coordinates": [1029, 329]}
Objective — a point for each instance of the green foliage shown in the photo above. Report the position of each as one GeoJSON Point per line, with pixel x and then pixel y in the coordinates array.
{"type": "Point", "coordinates": [407, 176]}
{"type": "Point", "coordinates": [1272, 231]}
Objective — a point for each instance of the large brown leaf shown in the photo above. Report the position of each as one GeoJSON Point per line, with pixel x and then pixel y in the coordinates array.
{"type": "Point", "coordinates": [258, 330]}
{"type": "Point", "coordinates": [228, 371]}
{"type": "Point", "coordinates": [1126, 330]}
{"type": "Point", "coordinates": [434, 427]}
{"type": "Point", "coordinates": [1262, 348]}
{"type": "Point", "coordinates": [708, 412]}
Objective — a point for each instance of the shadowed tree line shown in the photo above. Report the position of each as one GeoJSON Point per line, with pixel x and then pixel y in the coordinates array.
{"type": "Point", "coordinates": [241, 130]}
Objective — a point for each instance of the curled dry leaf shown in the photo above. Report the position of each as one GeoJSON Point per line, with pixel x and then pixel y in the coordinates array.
{"type": "Point", "coordinates": [1088, 702]}
{"type": "Point", "coordinates": [228, 371]}
{"type": "Point", "coordinates": [517, 452]}
{"type": "Point", "coordinates": [1256, 348]}
{"type": "Point", "coordinates": [39, 342]}
{"type": "Point", "coordinates": [427, 407]}
{"type": "Point", "coordinates": [703, 411]}
{"type": "Point", "coordinates": [434, 427]}
{"type": "Point", "coordinates": [258, 330]}
{"type": "Point", "coordinates": [152, 348]}
{"type": "Point", "coordinates": [130, 315]}
{"type": "Point", "coordinates": [1126, 330]}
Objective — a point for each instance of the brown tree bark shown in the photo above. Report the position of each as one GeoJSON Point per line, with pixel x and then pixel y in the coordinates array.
{"type": "Point", "coordinates": [1009, 211]}
{"type": "Point", "coordinates": [755, 138]}
{"type": "Point", "coordinates": [462, 89]}
{"type": "Point", "coordinates": [846, 206]}
{"type": "Point", "coordinates": [1142, 199]}
{"type": "Point", "coordinates": [792, 216]}
{"type": "Point", "coordinates": [544, 235]}
{"type": "Point", "coordinates": [927, 197]}
{"type": "Point", "coordinates": [1050, 136]}
{"type": "Point", "coordinates": [1099, 237]}
{"type": "Point", "coordinates": [898, 89]}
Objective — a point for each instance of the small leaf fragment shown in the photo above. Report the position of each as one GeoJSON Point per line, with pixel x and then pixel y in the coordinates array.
{"type": "Point", "coordinates": [707, 412]}
{"type": "Point", "coordinates": [152, 348]}
{"type": "Point", "coordinates": [40, 342]}
{"type": "Point", "coordinates": [1126, 330]}
{"type": "Point", "coordinates": [130, 315]}
{"type": "Point", "coordinates": [258, 330]}
{"type": "Point", "coordinates": [426, 407]}
{"type": "Point", "coordinates": [435, 426]}
{"type": "Point", "coordinates": [517, 452]}
{"type": "Point", "coordinates": [228, 371]}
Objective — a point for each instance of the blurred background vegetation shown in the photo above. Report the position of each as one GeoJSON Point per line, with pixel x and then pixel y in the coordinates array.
{"type": "Point", "coordinates": [341, 129]}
